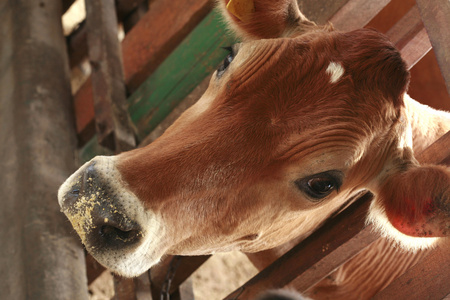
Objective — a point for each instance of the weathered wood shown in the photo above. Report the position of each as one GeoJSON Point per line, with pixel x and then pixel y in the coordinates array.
{"type": "Point", "coordinates": [335, 233]}
{"type": "Point", "coordinates": [196, 57]}
{"type": "Point", "coordinates": [40, 257]}
{"type": "Point", "coordinates": [437, 153]}
{"type": "Point", "coordinates": [130, 19]}
{"type": "Point", "coordinates": [320, 11]}
{"type": "Point", "coordinates": [77, 45]}
{"type": "Point", "coordinates": [113, 125]}
{"type": "Point", "coordinates": [410, 37]}
{"type": "Point", "coordinates": [175, 269]}
{"type": "Point", "coordinates": [145, 48]}
{"type": "Point", "coordinates": [93, 269]}
{"type": "Point", "coordinates": [356, 14]}
{"type": "Point", "coordinates": [77, 41]}
{"type": "Point", "coordinates": [428, 279]}
{"type": "Point", "coordinates": [435, 15]}
{"type": "Point", "coordinates": [124, 288]}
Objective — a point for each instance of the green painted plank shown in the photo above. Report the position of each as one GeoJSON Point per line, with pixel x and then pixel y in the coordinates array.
{"type": "Point", "coordinates": [194, 59]}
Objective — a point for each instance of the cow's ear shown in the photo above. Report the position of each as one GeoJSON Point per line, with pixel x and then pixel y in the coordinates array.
{"type": "Point", "coordinates": [417, 201]}
{"type": "Point", "coordinates": [259, 19]}
{"type": "Point", "coordinates": [375, 65]}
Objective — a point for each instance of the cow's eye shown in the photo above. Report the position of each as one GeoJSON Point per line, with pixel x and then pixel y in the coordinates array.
{"type": "Point", "coordinates": [226, 62]}
{"type": "Point", "coordinates": [320, 185]}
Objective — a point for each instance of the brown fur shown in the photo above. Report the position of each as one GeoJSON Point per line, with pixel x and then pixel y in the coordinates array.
{"type": "Point", "coordinates": [224, 175]}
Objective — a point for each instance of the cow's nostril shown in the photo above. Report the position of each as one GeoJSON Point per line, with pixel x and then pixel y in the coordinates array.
{"type": "Point", "coordinates": [71, 197]}
{"type": "Point", "coordinates": [114, 235]}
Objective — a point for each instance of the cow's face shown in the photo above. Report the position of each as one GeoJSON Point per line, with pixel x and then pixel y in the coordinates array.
{"type": "Point", "coordinates": [287, 131]}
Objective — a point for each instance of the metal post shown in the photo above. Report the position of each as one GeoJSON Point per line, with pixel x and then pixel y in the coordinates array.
{"type": "Point", "coordinates": [40, 257]}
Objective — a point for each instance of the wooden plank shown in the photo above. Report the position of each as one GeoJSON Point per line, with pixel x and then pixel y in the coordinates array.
{"type": "Point", "coordinates": [428, 279]}
{"type": "Point", "coordinates": [335, 233]}
{"type": "Point", "coordinates": [195, 58]}
{"type": "Point", "coordinates": [320, 11]}
{"type": "Point", "coordinates": [435, 15]}
{"type": "Point", "coordinates": [93, 269]}
{"type": "Point", "coordinates": [410, 37]}
{"type": "Point", "coordinates": [144, 48]}
{"type": "Point", "coordinates": [113, 125]}
{"type": "Point", "coordinates": [124, 288]}
{"type": "Point", "coordinates": [357, 13]}
{"type": "Point", "coordinates": [169, 274]}
{"type": "Point", "coordinates": [131, 18]}
{"type": "Point", "coordinates": [77, 40]}
{"type": "Point", "coordinates": [437, 153]}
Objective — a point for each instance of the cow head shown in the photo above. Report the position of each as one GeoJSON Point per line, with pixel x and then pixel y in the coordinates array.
{"type": "Point", "coordinates": [296, 120]}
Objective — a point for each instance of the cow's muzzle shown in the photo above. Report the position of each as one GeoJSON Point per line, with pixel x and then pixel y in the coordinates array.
{"type": "Point", "coordinates": [91, 203]}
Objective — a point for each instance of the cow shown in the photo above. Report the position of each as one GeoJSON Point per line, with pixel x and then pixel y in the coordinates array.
{"type": "Point", "coordinates": [298, 119]}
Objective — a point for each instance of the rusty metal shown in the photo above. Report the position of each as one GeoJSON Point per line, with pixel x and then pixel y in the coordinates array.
{"type": "Point", "coordinates": [113, 124]}
{"type": "Point", "coordinates": [40, 258]}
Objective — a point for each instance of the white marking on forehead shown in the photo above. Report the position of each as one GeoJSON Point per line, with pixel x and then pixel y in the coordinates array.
{"type": "Point", "coordinates": [335, 70]}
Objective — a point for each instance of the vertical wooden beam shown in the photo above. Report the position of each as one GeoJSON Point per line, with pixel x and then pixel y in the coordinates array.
{"type": "Point", "coordinates": [113, 124]}
{"type": "Point", "coordinates": [124, 288]}
{"type": "Point", "coordinates": [40, 257]}
{"type": "Point", "coordinates": [169, 274]}
{"type": "Point", "coordinates": [435, 15]}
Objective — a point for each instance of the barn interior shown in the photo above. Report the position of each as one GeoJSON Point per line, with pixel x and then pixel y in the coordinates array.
{"type": "Point", "coordinates": [98, 78]}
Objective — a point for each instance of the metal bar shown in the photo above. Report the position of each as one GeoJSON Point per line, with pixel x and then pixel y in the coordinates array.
{"type": "Point", "coordinates": [40, 257]}
{"type": "Point", "coordinates": [113, 124]}
{"type": "Point", "coordinates": [435, 15]}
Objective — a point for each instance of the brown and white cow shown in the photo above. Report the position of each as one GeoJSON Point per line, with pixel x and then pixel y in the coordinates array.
{"type": "Point", "coordinates": [298, 119]}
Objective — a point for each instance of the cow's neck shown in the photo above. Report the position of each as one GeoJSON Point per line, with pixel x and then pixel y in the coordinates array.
{"type": "Point", "coordinates": [427, 124]}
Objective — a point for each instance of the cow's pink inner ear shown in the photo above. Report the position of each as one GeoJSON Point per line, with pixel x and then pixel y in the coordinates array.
{"type": "Point", "coordinates": [417, 202]}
